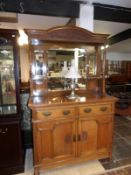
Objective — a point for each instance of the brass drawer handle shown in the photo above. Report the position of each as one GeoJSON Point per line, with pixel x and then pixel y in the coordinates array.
{"type": "Point", "coordinates": [3, 131]}
{"type": "Point", "coordinates": [87, 110]}
{"type": "Point", "coordinates": [104, 108]}
{"type": "Point", "coordinates": [47, 113]}
{"type": "Point", "coordinates": [66, 112]}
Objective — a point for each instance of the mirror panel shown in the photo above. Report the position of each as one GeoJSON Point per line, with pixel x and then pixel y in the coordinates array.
{"type": "Point", "coordinates": [59, 63]}
{"type": "Point", "coordinates": [92, 61]}
{"type": "Point", "coordinates": [55, 62]}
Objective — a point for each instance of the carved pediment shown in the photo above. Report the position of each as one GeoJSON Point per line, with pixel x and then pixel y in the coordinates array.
{"type": "Point", "coordinates": [68, 34]}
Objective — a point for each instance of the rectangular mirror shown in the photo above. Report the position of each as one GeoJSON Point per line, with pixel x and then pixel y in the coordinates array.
{"type": "Point", "coordinates": [51, 63]}
{"type": "Point", "coordinates": [92, 61]}
{"type": "Point", "coordinates": [60, 59]}
{"type": "Point", "coordinates": [59, 63]}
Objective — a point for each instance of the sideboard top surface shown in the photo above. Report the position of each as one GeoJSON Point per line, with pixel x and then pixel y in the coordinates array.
{"type": "Point", "coordinates": [50, 100]}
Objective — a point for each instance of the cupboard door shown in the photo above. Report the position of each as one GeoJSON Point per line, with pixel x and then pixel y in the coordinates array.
{"type": "Point", "coordinates": [105, 134]}
{"type": "Point", "coordinates": [87, 137]}
{"type": "Point", "coordinates": [54, 141]}
{"type": "Point", "coordinates": [10, 145]}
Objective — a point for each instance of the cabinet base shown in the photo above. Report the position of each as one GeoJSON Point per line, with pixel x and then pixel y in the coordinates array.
{"type": "Point", "coordinates": [55, 165]}
{"type": "Point", "coordinates": [12, 170]}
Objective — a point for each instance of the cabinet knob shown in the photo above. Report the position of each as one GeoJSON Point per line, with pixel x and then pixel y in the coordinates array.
{"type": "Point", "coordinates": [66, 112]}
{"type": "Point", "coordinates": [47, 113]}
{"type": "Point", "coordinates": [87, 110]}
{"type": "Point", "coordinates": [3, 131]}
{"type": "Point", "coordinates": [104, 108]}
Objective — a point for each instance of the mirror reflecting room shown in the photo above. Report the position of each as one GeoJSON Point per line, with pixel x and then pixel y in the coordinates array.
{"type": "Point", "coordinates": [59, 61]}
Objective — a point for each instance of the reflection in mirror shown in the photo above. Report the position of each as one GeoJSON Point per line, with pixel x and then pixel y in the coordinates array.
{"type": "Point", "coordinates": [38, 68]}
{"type": "Point", "coordinates": [92, 61]}
{"type": "Point", "coordinates": [7, 80]}
{"type": "Point", "coordinates": [59, 62]}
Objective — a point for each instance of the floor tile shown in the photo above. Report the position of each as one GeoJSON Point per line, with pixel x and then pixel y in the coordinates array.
{"type": "Point", "coordinates": [121, 144]}
{"type": "Point", "coordinates": [119, 120]}
{"type": "Point", "coordinates": [121, 149]}
{"type": "Point", "coordinates": [111, 164]}
{"type": "Point", "coordinates": [123, 130]}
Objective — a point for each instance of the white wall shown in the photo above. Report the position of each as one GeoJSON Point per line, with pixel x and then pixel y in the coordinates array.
{"type": "Point", "coordinates": [86, 17]}
{"type": "Point", "coordinates": [118, 56]}
{"type": "Point", "coordinates": [109, 27]}
{"type": "Point", "coordinates": [24, 63]}
{"type": "Point", "coordinates": [26, 21]}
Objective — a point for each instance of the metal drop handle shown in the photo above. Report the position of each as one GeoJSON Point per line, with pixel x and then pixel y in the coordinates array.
{"type": "Point", "coordinates": [104, 108]}
{"type": "Point", "coordinates": [47, 113]}
{"type": "Point", "coordinates": [66, 112]}
{"type": "Point", "coordinates": [87, 110]}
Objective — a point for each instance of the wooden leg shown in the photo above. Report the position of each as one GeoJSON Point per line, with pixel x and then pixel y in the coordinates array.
{"type": "Point", "coordinates": [36, 171]}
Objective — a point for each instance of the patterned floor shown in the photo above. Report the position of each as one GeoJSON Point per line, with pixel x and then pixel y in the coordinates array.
{"type": "Point", "coordinates": [121, 144]}
{"type": "Point", "coordinates": [120, 171]}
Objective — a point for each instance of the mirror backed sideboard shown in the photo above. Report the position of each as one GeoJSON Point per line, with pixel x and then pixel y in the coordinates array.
{"type": "Point", "coordinates": [69, 130]}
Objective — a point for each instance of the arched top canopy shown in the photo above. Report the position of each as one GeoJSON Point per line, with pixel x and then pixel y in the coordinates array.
{"type": "Point", "coordinates": [70, 34]}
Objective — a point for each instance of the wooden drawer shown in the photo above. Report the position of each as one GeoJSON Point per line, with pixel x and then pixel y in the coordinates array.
{"type": "Point", "coordinates": [95, 109]}
{"type": "Point", "coordinates": [54, 113]}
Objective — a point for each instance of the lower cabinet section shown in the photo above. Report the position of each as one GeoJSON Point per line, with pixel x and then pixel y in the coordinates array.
{"type": "Point", "coordinates": [86, 133]}
{"type": "Point", "coordinates": [11, 153]}
{"type": "Point", "coordinates": [55, 141]}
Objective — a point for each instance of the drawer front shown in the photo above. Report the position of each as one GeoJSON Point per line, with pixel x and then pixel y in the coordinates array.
{"type": "Point", "coordinates": [93, 110]}
{"type": "Point", "coordinates": [47, 114]}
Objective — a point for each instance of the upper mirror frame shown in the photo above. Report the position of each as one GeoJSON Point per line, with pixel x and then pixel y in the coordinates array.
{"type": "Point", "coordinates": [64, 37]}
{"type": "Point", "coordinates": [61, 36]}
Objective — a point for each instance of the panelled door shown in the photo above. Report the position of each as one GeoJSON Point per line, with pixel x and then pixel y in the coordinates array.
{"type": "Point", "coordinates": [55, 141]}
